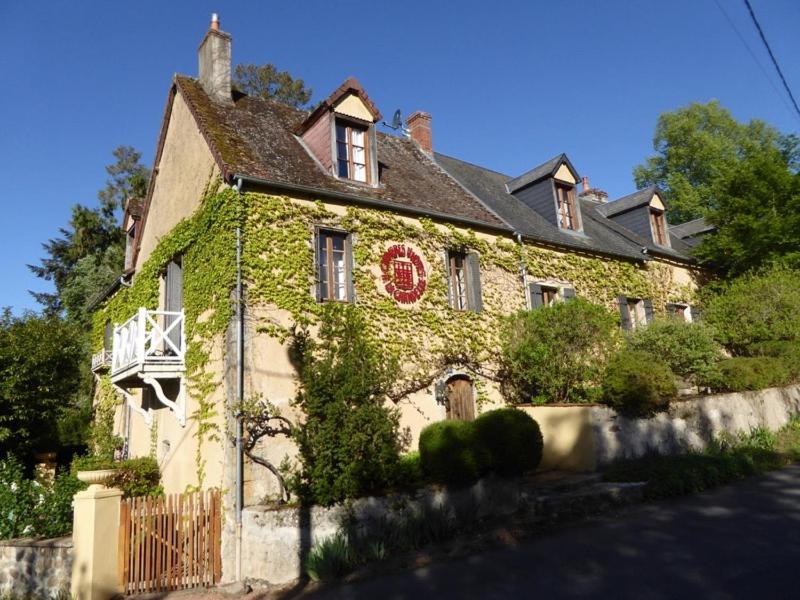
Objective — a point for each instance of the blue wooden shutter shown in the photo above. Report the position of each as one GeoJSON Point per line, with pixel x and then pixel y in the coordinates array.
{"type": "Point", "coordinates": [537, 299]}
{"type": "Point", "coordinates": [473, 269]}
{"type": "Point", "coordinates": [649, 313]}
{"type": "Point", "coordinates": [446, 259]}
{"type": "Point", "coordinates": [317, 258]}
{"type": "Point", "coordinates": [174, 299]}
{"type": "Point", "coordinates": [624, 313]}
{"type": "Point", "coordinates": [568, 293]}
{"type": "Point", "coordinates": [697, 314]}
{"type": "Point", "coordinates": [351, 289]}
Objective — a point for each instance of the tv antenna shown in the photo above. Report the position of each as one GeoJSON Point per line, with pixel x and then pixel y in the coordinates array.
{"type": "Point", "coordinates": [397, 123]}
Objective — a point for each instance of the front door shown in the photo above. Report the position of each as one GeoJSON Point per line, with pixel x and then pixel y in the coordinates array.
{"type": "Point", "coordinates": [460, 400]}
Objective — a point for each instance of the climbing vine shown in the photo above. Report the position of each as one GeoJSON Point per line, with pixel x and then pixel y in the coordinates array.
{"type": "Point", "coordinates": [278, 267]}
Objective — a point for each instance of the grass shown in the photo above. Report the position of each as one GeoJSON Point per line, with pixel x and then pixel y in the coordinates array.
{"type": "Point", "coordinates": [730, 458]}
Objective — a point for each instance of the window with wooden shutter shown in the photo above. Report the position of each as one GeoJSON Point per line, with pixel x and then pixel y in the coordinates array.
{"type": "Point", "coordinates": [464, 280]}
{"type": "Point", "coordinates": [173, 303]}
{"type": "Point", "coordinates": [635, 312]}
{"type": "Point", "coordinates": [333, 266]}
{"type": "Point", "coordinates": [658, 224]}
{"type": "Point", "coordinates": [544, 294]}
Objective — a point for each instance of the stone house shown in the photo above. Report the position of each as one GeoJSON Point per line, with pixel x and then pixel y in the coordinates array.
{"type": "Point", "coordinates": [258, 214]}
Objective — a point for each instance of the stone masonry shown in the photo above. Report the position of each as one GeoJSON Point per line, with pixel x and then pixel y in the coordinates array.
{"type": "Point", "coordinates": [35, 568]}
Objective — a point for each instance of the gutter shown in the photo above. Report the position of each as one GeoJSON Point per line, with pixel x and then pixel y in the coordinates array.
{"type": "Point", "coordinates": [368, 202]}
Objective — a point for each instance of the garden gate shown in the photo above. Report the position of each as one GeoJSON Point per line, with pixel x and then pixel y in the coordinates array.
{"type": "Point", "coordinates": [170, 542]}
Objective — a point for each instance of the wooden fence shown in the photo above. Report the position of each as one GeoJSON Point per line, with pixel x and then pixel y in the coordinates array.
{"type": "Point", "coordinates": [170, 542]}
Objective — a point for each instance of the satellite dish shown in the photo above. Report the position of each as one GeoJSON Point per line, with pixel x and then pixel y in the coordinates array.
{"type": "Point", "coordinates": [397, 120]}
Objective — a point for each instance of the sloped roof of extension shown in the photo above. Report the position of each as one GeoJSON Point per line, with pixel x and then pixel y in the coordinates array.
{"type": "Point", "coordinates": [256, 139]}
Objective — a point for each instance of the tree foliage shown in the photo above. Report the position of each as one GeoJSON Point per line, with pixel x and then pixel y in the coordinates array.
{"type": "Point", "coordinates": [266, 81]}
{"type": "Point", "coordinates": [39, 369]}
{"type": "Point", "coordinates": [89, 252]}
{"type": "Point", "coordinates": [556, 353]}
{"type": "Point", "coordinates": [350, 442]}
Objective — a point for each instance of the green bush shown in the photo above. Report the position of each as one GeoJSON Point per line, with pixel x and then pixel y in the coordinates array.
{"type": "Point", "coordinates": [637, 384]}
{"type": "Point", "coordinates": [138, 477]}
{"type": "Point", "coordinates": [556, 353]}
{"type": "Point", "coordinates": [331, 559]}
{"type": "Point", "coordinates": [689, 349]}
{"type": "Point", "coordinates": [409, 471]}
{"type": "Point", "coordinates": [749, 373]}
{"type": "Point", "coordinates": [513, 440]}
{"type": "Point", "coordinates": [787, 352]}
{"type": "Point", "coordinates": [349, 444]}
{"type": "Point", "coordinates": [92, 462]}
{"type": "Point", "coordinates": [757, 308]}
{"type": "Point", "coordinates": [451, 452]}
{"type": "Point", "coordinates": [31, 509]}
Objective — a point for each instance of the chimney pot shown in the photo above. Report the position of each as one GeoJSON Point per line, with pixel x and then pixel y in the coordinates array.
{"type": "Point", "coordinates": [419, 128]}
{"type": "Point", "coordinates": [215, 21]}
{"type": "Point", "coordinates": [586, 187]}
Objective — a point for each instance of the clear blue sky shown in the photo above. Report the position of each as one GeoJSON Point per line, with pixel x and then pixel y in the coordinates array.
{"type": "Point", "coordinates": [509, 84]}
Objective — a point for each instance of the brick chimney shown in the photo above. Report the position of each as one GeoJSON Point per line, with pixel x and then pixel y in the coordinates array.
{"type": "Point", "coordinates": [419, 127]}
{"type": "Point", "coordinates": [593, 194]}
{"type": "Point", "coordinates": [214, 56]}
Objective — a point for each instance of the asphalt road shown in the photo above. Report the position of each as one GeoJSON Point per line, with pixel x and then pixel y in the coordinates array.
{"type": "Point", "coordinates": [741, 541]}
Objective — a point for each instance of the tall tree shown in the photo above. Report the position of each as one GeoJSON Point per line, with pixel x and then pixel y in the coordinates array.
{"type": "Point", "coordinates": [40, 359]}
{"type": "Point", "coordinates": [699, 148]}
{"type": "Point", "coordinates": [266, 81]}
{"type": "Point", "coordinates": [92, 240]}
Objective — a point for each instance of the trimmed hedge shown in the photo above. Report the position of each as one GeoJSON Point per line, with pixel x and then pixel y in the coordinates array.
{"type": "Point", "coordinates": [450, 452]}
{"type": "Point", "coordinates": [637, 384]}
{"type": "Point", "coordinates": [744, 373]}
{"type": "Point", "coordinates": [513, 440]}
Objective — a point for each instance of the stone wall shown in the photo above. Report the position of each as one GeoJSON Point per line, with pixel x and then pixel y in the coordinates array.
{"type": "Point", "coordinates": [274, 540]}
{"type": "Point", "coordinates": [690, 424]}
{"type": "Point", "coordinates": [35, 568]}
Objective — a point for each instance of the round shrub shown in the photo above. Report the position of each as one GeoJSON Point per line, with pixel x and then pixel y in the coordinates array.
{"type": "Point", "coordinates": [637, 384]}
{"type": "Point", "coordinates": [450, 452]}
{"type": "Point", "coordinates": [787, 352]}
{"type": "Point", "coordinates": [512, 439]}
{"type": "Point", "coordinates": [750, 373]}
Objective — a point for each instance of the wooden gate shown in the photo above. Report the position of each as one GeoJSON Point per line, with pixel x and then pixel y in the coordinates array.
{"type": "Point", "coordinates": [170, 542]}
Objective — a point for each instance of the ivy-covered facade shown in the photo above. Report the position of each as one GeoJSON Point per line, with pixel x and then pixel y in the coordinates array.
{"type": "Point", "coordinates": [268, 212]}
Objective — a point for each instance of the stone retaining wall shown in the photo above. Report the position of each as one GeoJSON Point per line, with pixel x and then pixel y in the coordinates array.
{"type": "Point", "coordinates": [35, 568]}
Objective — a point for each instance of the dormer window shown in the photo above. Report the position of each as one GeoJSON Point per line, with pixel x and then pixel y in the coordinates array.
{"type": "Point", "coordinates": [567, 216]}
{"type": "Point", "coordinates": [352, 151]}
{"type": "Point", "coordinates": [659, 226]}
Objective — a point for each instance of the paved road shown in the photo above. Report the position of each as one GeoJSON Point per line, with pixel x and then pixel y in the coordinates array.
{"type": "Point", "coordinates": [741, 541]}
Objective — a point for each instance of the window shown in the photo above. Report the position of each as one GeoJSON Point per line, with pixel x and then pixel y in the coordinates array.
{"type": "Point", "coordinates": [351, 151]}
{"type": "Point", "coordinates": [683, 312]}
{"type": "Point", "coordinates": [463, 280]}
{"type": "Point", "coordinates": [333, 266]}
{"type": "Point", "coordinates": [567, 217]}
{"type": "Point", "coordinates": [658, 225]}
{"type": "Point", "coordinates": [634, 312]}
{"type": "Point", "coordinates": [543, 294]}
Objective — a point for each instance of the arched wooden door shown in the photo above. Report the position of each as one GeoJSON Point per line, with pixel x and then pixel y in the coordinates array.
{"type": "Point", "coordinates": [460, 399]}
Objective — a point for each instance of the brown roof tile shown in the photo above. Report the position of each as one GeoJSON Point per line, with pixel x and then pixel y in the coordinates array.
{"type": "Point", "coordinates": [254, 138]}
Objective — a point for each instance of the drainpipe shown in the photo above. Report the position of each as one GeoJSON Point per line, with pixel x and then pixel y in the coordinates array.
{"type": "Point", "coordinates": [523, 267]}
{"type": "Point", "coordinates": [239, 387]}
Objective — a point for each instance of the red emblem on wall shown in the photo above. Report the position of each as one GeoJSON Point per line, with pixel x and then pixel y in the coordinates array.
{"type": "Point", "coordinates": [403, 274]}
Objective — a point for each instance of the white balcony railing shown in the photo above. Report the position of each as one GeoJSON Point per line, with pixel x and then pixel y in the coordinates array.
{"type": "Point", "coordinates": [150, 337]}
{"type": "Point", "coordinates": [101, 360]}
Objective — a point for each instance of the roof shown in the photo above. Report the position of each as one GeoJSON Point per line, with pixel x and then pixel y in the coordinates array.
{"type": "Point", "coordinates": [691, 228]}
{"type": "Point", "coordinates": [351, 85]}
{"type": "Point", "coordinates": [629, 202]}
{"type": "Point", "coordinates": [546, 169]}
{"type": "Point", "coordinates": [600, 234]}
{"type": "Point", "coordinates": [254, 138]}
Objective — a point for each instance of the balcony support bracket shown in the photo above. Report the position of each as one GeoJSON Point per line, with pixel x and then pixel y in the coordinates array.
{"type": "Point", "coordinates": [178, 407]}
{"type": "Point", "coordinates": [147, 415]}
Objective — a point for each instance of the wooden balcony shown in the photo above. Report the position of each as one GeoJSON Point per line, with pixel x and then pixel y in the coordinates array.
{"type": "Point", "coordinates": [101, 361]}
{"type": "Point", "coordinates": [149, 344]}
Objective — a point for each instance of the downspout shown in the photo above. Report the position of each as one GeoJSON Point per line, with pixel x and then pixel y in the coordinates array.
{"type": "Point", "coordinates": [239, 384]}
{"type": "Point", "coordinates": [523, 267]}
